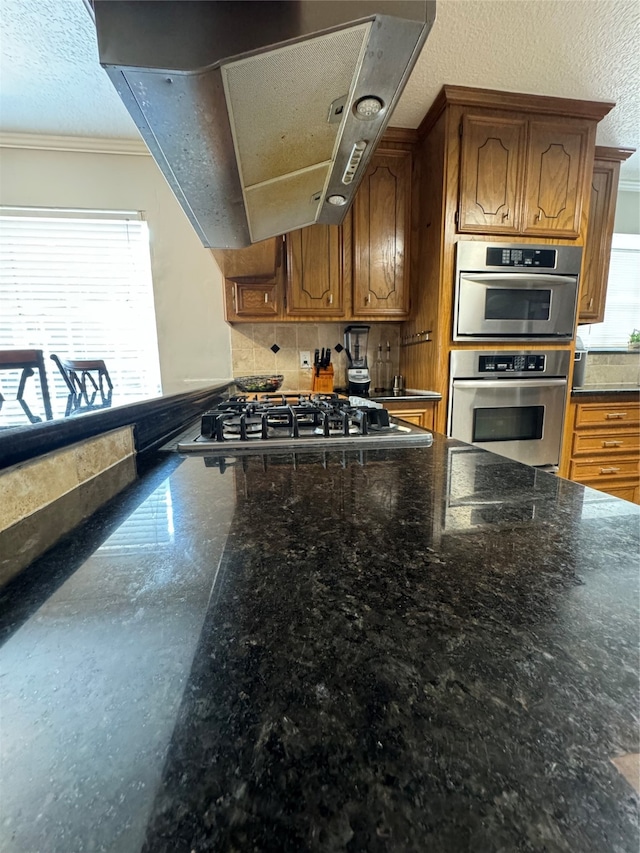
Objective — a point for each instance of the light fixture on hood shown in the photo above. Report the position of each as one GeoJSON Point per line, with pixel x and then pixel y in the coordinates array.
{"type": "Point", "coordinates": [261, 114]}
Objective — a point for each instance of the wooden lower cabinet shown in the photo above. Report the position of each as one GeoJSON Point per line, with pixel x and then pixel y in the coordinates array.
{"type": "Point", "coordinates": [605, 447]}
{"type": "Point", "coordinates": [420, 413]}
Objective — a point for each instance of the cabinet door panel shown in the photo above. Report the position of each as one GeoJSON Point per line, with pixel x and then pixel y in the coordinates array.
{"type": "Point", "coordinates": [381, 234]}
{"type": "Point", "coordinates": [597, 250]}
{"type": "Point", "coordinates": [314, 271]}
{"type": "Point", "coordinates": [252, 299]}
{"type": "Point", "coordinates": [492, 170]}
{"type": "Point", "coordinates": [595, 265]}
{"type": "Point", "coordinates": [555, 177]}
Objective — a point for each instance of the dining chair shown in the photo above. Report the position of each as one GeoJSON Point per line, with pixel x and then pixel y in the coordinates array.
{"type": "Point", "coordinates": [29, 361]}
{"type": "Point", "coordinates": [78, 372]}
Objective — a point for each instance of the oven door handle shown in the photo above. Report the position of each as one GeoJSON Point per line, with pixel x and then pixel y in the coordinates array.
{"type": "Point", "coordinates": [509, 279]}
{"type": "Point", "coordinates": [508, 383]}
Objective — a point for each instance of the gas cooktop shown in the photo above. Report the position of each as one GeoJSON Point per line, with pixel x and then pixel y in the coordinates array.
{"type": "Point", "coordinates": [265, 422]}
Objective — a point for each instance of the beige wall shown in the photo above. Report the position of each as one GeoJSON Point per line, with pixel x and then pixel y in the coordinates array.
{"type": "Point", "coordinates": [193, 339]}
{"type": "Point", "coordinates": [252, 354]}
{"type": "Point", "coordinates": [627, 213]}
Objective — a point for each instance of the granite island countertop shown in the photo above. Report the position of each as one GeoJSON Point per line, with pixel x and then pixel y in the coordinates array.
{"type": "Point", "coordinates": [427, 649]}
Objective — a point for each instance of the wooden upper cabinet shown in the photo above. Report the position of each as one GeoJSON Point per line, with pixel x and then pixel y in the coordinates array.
{"type": "Point", "coordinates": [315, 284]}
{"type": "Point", "coordinates": [491, 173]}
{"type": "Point", "coordinates": [597, 249]}
{"type": "Point", "coordinates": [555, 182]}
{"type": "Point", "coordinates": [523, 176]}
{"type": "Point", "coordinates": [252, 299]}
{"type": "Point", "coordinates": [381, 226]}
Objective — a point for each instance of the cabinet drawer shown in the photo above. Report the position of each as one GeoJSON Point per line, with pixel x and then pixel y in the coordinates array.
{"type": "Point", "coordinates": [609, 415]}
{"type": "Point", "coordinates": [606, 444]}
{"type": "Point", "coordinates": [255, 299]}
{"type": "Point", "coordinates": [421, 414]}
{"type": "Point", "coordinates": [616, 469]}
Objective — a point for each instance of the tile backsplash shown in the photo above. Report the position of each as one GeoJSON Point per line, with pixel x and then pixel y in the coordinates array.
{"type": "Point", "coordinates": [251, 349]}
{"type": "Point", "coordinates": [613, 368]}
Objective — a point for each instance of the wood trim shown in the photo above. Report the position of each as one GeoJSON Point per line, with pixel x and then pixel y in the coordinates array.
{"type": "Point", "coordinates": [512, 101]}
{"type": "Point", "coordinates": [546, 104]}
{"type": "Point", "coordinates": [617, 154]}
{"type": "Point", "coordinates": [407, 135]}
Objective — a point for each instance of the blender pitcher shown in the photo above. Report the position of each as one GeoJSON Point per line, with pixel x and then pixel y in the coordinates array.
{"type": "Point", "coordinates": [356, 339]}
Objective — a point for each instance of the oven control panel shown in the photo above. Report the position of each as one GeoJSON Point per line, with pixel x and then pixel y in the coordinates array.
{"type": "Point", "coordinates": [522, 257]}
{"type": "Point", "coordinates": [511, 363]}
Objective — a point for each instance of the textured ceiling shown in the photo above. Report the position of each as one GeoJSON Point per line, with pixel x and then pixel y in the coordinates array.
{"type": "Point", "coordinates": [51, 82]}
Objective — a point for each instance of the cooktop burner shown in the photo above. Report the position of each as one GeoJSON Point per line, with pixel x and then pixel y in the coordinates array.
{"type": "Point", "coordinates": [296, 421]}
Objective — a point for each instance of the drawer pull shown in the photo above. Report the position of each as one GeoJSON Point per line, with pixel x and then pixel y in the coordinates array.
{"type": "Point", "coordinates": [266, 297]}
{"type": "Point", "coordinates": [612, 444]}
{"type": "Point", "coordinates": [613, 415]}
{"type": "Point", "coordinates": [609, 470]}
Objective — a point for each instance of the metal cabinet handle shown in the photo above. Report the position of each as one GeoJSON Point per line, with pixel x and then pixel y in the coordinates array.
{"type": "Point", "coordinates": [331, 299]}
{"type": "Point", "coordinates": [590, 305]}
{"type": "Point", "coordinates": [615, 415]}
{"type": "Point", "coordinates": [368, 299]}
{"type": "Point", "coordinates": [612, 444]}
{"type": "Point", "coordinates": [609, 470]}
{"type": "Point", "coordinates": [505, 215]}
{"type": "Point", "coordinates": [537, 217]}
{"type": "Point", "coordinates": [266, 297]}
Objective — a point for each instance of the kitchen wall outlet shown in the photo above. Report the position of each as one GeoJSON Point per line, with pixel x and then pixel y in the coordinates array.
{"type": "Point", "coordinates": [305, 358]}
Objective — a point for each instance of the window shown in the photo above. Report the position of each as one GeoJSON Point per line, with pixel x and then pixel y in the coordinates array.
{"type": "Point", "coordinates": [622, 310]}
{"type": "Point", "coordinates": [78, 284]}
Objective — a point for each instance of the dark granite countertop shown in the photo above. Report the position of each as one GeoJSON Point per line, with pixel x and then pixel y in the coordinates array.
{"type": "Point", "coordinates": [414, 396]}
{"type": "Point", "coordinates": [410, 395]}
{"type": "Point", "coordinates": [605, 390]}
{"type": "Point", "coordinates": [428, 649]}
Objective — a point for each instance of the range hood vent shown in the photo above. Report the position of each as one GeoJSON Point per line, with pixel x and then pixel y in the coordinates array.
{"type": "Point", "coordinates": [261, 115]}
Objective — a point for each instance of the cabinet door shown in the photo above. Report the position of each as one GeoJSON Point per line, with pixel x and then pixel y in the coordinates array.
{"type": "Point", "coordinates": [597, 250]}
{"type": "Point", "coordinates": [250, 299]}
{"type": "Point", "coordinates": [421, 413]}
{"type": "Point", "coordinates": [381, 223]}
{"type": "Point", "coordinates": [492, 157]}
{"type": "Point", "coordinates": [555, 177]}
{"type": "Point", "coordinates": [314, 272]}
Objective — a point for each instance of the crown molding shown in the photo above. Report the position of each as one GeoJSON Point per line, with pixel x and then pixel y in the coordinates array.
{"type": "Point", "coordinates": [629, 186]}
{"type": "Point", "coordinates": [86, 144]}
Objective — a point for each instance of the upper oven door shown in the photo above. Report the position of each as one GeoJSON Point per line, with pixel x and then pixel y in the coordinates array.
{"type": "Point", "coordinates": [500, 306]}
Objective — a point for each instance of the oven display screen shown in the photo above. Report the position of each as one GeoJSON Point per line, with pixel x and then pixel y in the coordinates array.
{"type": "Point", "coordinates": [511, 363]}
{"type": "Point", "coordinates": [505, 303]}
{"type": "Point", "coordinates": [508, 423]}
{"type": "Point", "coordinates": [544, 258]}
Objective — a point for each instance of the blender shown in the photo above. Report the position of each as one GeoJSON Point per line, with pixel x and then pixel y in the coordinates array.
{"type": "Point", "coordinates": [355, 345]}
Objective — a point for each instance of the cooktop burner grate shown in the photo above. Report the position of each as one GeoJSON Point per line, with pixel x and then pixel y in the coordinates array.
{"type": "Point", "coordinates": [296, 421]}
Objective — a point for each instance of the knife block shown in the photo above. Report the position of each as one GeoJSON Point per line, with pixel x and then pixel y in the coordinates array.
{"type": "Point", "coordinates": [322, 380]}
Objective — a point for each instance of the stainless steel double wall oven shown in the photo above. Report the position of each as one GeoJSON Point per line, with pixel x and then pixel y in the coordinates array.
{"type": "Point", "coordinates": [512, 401]}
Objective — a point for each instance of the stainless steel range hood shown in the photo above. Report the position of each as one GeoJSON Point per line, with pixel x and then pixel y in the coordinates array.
{"type": "Point", "coordinates": [261, 115]}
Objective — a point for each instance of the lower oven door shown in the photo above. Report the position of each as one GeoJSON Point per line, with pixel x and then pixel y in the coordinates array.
{"type": "Point", "coordinates": [518, 418]}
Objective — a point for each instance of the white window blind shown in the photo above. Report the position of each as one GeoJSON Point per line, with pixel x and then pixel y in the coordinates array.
{"type": "Point", "coordinates": [78, 284]}
{"type": "Point", "coordinates": [622, 312]}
